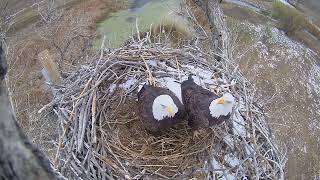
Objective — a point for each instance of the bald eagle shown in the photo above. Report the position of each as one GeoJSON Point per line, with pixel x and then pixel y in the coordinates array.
{"type": "Point", "coordinates": [159, 108]}
{"type": "Point", "coordinates": [204, 107]}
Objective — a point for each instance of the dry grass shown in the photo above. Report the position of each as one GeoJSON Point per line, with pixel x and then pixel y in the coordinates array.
{"type": "Point", "coordinates": [313, 28]}
{"type": "Point", "coordinates": [73, 34]}
{"type": "Point", "coordinates": [281, 80]}
{"type": "Point", "coordinates": [291, 20]}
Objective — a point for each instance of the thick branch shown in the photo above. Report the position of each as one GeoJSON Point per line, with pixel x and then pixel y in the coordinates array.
{"type": "Point", "coordinates": [19, 159]}
{"type": "Point", "coordinates": [220, 34]}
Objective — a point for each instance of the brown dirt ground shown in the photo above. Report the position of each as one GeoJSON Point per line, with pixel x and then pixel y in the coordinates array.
{"type": "Point", "coordinates": [290, 111]}
{"type": "Point", "coordinates": [73, 34]}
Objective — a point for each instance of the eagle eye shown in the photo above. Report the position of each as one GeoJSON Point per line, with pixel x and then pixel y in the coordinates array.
{"type": "Point", "coordinates": [164, 106]}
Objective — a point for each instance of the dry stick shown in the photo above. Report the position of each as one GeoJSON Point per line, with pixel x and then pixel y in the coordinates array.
{"type": "Point", "coordinates": [150, 77]}
{"type": "Point", "coordinates": [194, 19]}
{"type": "Point", "coordinates": [253, 132]}
{"type": "Point", "coordinates": [113, 165]}
{"type": "Point", "coordinates": [137, 28]}
{"type": "Point", "coordinates": [55, 162]}
{"type": "Point", "coordinates": [102, 49]}
{"type": "Point", "coordinates": [46, 107]}
{"type": "Point", "coordinates": [84, 119]}
{"type": "Point", "coordinates": [80, 121]}
{"type": "Point", "coordinates": [127, 175]}
{"type": "Point", "coordinates": [102, 142]}
{"type": "Point", "coordinates": [178, 66]}
{"type": "Point", "coordinates": [91, 89]}
{"type": "Point", "coordinates": [93, 112]}
{"type": "Point", "coordinates": [149, 34]}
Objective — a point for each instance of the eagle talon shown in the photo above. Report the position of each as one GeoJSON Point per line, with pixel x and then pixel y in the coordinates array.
{"type": "Point", "coordinates": [197, 134]}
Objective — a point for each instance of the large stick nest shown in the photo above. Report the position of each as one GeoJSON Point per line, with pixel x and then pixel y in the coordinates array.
{"type": "Point", "coordinates": [102, 136]}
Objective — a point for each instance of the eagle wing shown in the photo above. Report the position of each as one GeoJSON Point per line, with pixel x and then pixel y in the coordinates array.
{"type": "Point", "coordinates": [145, 100]}
{"type": "Point", "coordinates": [197, 112]}
{"type": "Point", "coordinates": [195, 99]}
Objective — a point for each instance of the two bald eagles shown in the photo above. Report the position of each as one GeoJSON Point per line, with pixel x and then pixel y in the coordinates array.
{"type": "Point", "coordinates": [159, 108]}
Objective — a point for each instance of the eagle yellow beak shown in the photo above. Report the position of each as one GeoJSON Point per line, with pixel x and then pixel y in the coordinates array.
{"type": "Point", "coordinates": [220, 101]}
{"type": "Point", "coordinates": [170, 110]}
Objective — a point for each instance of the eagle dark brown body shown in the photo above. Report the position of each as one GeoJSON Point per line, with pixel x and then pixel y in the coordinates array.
{"type": "Point", "coordinates": [146, 97]}
{"type": "Point", "coordinates": [197, 101]}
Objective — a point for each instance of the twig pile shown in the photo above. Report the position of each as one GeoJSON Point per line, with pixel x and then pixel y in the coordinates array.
{"type": "Point", "coordinates": [102, 137]}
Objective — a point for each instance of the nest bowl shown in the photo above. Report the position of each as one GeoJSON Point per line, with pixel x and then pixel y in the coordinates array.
{"type": "Point", "coordinates": [102, 136]}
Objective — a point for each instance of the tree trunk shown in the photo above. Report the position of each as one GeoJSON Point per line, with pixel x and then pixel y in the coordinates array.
{"type": "Point", "coordinates": [19, 159]}
{"type": "Point", "coordinates": [219, 30]}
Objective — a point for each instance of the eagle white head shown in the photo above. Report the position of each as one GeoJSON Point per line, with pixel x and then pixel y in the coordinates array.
{"type": "Point", "coordinates": [163, 106]}
{"type": "Point", "coordinates": [222, 106]}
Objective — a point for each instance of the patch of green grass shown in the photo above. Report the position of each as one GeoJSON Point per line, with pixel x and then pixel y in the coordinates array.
{"type": "Point", "coordinates": [228, 5]}
{"type": "Point", "coordinates": [290, 19]}
{"type": "Point", "coordinates": [266, 12]}
{"type": "Point", "coordinates": [120, 26]}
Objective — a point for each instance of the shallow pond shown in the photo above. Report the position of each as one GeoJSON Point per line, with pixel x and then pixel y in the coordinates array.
{"type": "Point", "coordinates": [144, 14]}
